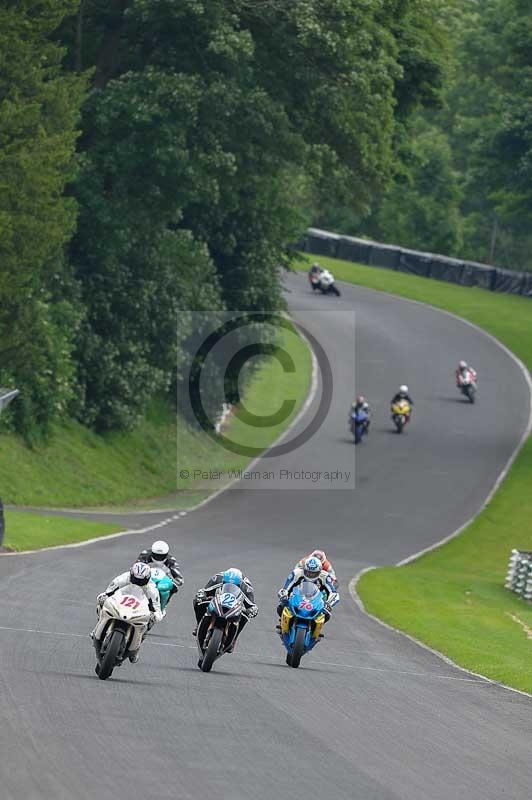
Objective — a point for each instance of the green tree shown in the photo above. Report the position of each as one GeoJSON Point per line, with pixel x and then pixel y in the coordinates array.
{"type": "Point", "coordinates": [216, 122]}
{"type": "Point", "coordinates": [39, 110]}
{"type": "Point", "coordinates": [422, 208]}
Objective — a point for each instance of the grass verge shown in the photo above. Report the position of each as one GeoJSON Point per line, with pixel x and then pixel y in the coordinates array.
{"type": "Point", "coordinates": [33, 531]}
{"type": "Point", "coordinates": [79, 469]}
{"type": "Point", "coordinates": [453, 598]}
{"type": "Point", "coordinates": [271, 386]}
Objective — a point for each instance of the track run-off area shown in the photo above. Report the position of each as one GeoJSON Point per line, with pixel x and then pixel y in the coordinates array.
{"type": "Point", "coordinates": [368, 715]}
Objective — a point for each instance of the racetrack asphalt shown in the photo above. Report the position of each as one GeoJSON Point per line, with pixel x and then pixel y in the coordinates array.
{"type": "Point", "coordinates": [368, 715]}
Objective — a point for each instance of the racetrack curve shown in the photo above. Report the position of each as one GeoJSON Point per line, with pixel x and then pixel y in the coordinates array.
{"type": "Point", "coordinates": [369, 715]}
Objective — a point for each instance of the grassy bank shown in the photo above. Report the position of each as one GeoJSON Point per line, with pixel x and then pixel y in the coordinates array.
{"type": "Point", "coordinates": [453, 598]}
{"type": "Point", "coordinates": [78, 468]}
{"type": "Point", "coordinates": [265, 396]}
{"type": "Point", "coordinates": [33, 531]}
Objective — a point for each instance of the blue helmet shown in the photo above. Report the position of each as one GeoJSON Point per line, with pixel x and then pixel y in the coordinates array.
{"type": "Point", "coordinates": [233, 575]}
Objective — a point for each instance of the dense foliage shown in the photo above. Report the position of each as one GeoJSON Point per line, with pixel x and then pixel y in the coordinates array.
{"type": "Point", "coordinates": [39, 108]}
{"type": "Point", "coordinates": [209, 134]}
{"type": "Point", "coordinates": [463, 173]}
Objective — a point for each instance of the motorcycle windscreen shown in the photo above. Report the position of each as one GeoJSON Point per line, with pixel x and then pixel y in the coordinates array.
{"type": "Point", "coordinates": [306, 600]}
{"type": "Point", "coordinates": [229, 595]}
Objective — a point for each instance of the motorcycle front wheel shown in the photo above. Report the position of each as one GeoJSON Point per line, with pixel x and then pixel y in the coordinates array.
{"type": "Point", "coordinates": [299, 648]}
{"type": "Point", "coordinates": [212, 650]}
{"type": "Point", "coordinates": [108, 660]}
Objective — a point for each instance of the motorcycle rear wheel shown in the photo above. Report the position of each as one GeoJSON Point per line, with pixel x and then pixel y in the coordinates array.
{"type": "Point", "coordinates": [212, 650]}
{"type": "Point", "coordinates": [108, 661]}
{"type": "Point", "coordinates": [299, 648]}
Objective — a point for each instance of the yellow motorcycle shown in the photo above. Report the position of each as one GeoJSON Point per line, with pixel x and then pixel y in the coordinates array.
{"type": "Point", "coordinates": [401, 412]}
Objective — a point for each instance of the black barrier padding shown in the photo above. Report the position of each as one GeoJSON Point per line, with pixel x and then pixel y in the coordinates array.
{"type": "Point", "coordinates": [351, 249]}
{"type": "Point", "coordinates": [322, 244]}
{"type": "Point", "coordinates": [465, 273]}
{"type": "Point", "coordinates": [383, 255]}
{"type": "Point", "coordinates": [2, 522]}
{"type": "Point", "coordinates": [526, 286]}
{"type": "Point", "coordinates": [447, 269]}
{"type": "Point", "coordinates": [507, 281]}
{"type": "Point", "coordinates": [480, 275]}
{"type": "Point", "coordinates": [415, 263]}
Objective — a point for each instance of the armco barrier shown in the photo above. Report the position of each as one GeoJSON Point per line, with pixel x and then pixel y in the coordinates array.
{"type": "Point", "coordinates": [414, 262]}
{"type": "Point", "coordinates": [519, 575]}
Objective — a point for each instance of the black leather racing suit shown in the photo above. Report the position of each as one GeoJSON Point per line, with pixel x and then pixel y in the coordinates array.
{"type": "Point", "coordinates": [210, 588]}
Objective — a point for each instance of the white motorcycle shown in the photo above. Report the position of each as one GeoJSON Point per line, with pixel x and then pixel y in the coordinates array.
{"type": "Point", "coordinates": [123, 622]}
{"type": "Point", "coordinates": [327, 284]}
{"type": "Point", "coordinates": [467, 383]}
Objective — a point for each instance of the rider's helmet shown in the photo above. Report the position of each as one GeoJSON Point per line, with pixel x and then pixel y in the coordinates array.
{"type": "Point", "coordinates": [140, 574]}
{"type": "Point", "coordinates": [312, 568]}
{"type": "Point", "coordinates": [233, 575]}
{"type": "Point", "coordinates": [462, 365]}
{"type": "Point", "coordinates": [159, 550]}
{"type": "Point", "coordinates": [360, 400]}
{"type": "Point", "coordinates": [403, 390]}
{"type": "Point", "coordinates": [320, 555]}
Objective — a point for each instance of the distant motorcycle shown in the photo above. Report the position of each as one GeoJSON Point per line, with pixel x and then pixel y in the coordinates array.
{"type": "Point", "coordinates": [302, 621]}
{"type": "Point", "coordinates": [467, 383]}
{"type": "Point", "coordinates": [123, 622]}
{"type": "Point", "coordinates": [401, 412]}
{"type": "Point", "coordinates": [218, 628]}
{"type": "Point", "coordinates": [326, 283]}
{"type": "Point", "coordinates": [359, 424]}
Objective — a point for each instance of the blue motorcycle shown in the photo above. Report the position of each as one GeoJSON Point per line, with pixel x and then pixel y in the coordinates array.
{"type": "Point", "coordinates": [302, 621]}
{"type": "Point", "coordinates": [359, 424]}
{"type": "Point", "coordinates": [164, 585]}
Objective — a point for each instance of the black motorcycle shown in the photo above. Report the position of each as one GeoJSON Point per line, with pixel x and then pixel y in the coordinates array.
{"type": "Point", "coordinates": [218, 628]}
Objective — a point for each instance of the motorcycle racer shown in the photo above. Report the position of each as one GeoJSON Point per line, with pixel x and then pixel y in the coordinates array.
{"type": "Point", "coordinates": [462, 373]}
{"type": "Point", "coordinates": [402, 394]}
{"type": "Point", "coordinates": [138, 575]}
{"type": "Point", "coordinates": [313, 571]}
{"type": "Point", "coordinates": [360, 404]}
{"type": "Point", "coordinates": [314, 275]}
{"type": "Point", "coordinates": [325, 563]}
{"type": "Point", "coordinates": [205, 595]}
{"type": "Point", "coordinates": [159, 555]}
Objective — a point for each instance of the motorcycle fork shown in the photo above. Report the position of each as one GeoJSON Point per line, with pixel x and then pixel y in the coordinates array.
{"type": "Point", "coordinates": [318, 625]}
{"type": "Point", "coordinates": [286, 616]}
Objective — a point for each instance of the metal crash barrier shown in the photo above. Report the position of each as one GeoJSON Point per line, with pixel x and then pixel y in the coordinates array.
{"type": "Point", "coordinates": [519, 575]}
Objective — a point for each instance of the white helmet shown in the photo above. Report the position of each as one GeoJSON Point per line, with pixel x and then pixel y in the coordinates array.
{"type": "Point", "coordinates": [139, 574]}
{"type": "Point", "coordinates": [159, 550]}
{"type": "Point", "coordinates": [403, 389]}
{"type": "Point", "coordinates": [463, 365]}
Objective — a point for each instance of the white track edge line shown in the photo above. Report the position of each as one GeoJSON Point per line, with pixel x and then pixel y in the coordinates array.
{"type": "Point", "coordinates": [130, 532]}
{"type": "Point", "coordinates": [361, 607]}
{"type": "Point", "coordinates": [502, 476]}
